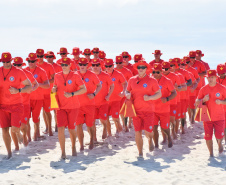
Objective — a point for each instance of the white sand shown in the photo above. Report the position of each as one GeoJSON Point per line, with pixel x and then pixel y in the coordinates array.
{"type": "Point", "coordinates": [115, 162]}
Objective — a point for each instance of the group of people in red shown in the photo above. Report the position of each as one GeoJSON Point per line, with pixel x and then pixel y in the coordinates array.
{"type": "Point", "coordinates": [162, 93]}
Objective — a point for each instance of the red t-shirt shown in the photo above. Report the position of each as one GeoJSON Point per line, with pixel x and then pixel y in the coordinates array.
{"type": "Point", "coordinates": [117, 78]}
{"type": "Point", "coordinates": [105, 81]}
{"type": "Point", "coordinates": [187, 76]}
{"type": "Point", "coordinates": [153, 61]}
{"type": "Point", "coordinates": [126, 73]}
{"type": "Point", "coordinates": [40, 76]}
{"type": "Point", "coordinates": [175, 79]}
{"type": "Point", "coordinates": [222, 82]}
{"type": "Point", "coordinates": [131, 68]}
{"type": "Point", "coordinates": [49, 71]}
{"type": "Point", "coordinates": [216, 112]}
{"type": "Point", "coordinates": [196, 76]}
{"type": "Point", "coordinates": [182, 93]}
{"type": "Point", "coordinates": [26, 96]}
{"type": "Point", "coordinates": [140, 87]}
{"type": "Point", "coordinates": [67, 83]}
{"type": "Point", "coordinates": [57, 68]}
{"type": "Point", "coordinates": [200, 67]}
{"type": "Point", "coordinates": [166, 87]}
{"type": "Point", "coordinates": [91, 81]}
{"type": "Point", "coordinates": [13, 78]}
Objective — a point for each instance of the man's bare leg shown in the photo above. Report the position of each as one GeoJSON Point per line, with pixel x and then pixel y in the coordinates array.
{"type": "Point", "coordinates": [124, 123]}
{"type": "Point", "coordinates": [45, 121]}
{"type": "Point", "coordinates": [15, 140]}
{"type": "Point", "coordinates": [156, 136]}
{"type": "Point", "coordinates": [55, 117]}
{"type": "Point", "coordinates": [73, 141]}
{"type": "Point", "coordinates": [150, 136]}
{"type": "Point", "coordinates": [209, 144]}
{"type": "Point", "coordinates": [90, 130]}
{"type": "Point", "coordinates": [108, 127]}
{"type": "Point", "coordinates": [220, 146]}
{"type": "Point", "coordinates": [173, 123]}
{"type": "Point", "coordinates": [182, 125]}
{"type": "Point", "coordinates": [7, 141]}
{"type": "Point", "coordinates": [177, 125]}
{"type": "Point", "coordinates": [104, 123]}
{"type": "Point", "coordinates": [117, 125]}
{"type": "Point", "coordinates": [139, 142]}
{"type": "Point", "coordinates": [16, 130]}
{"type": "Point", "coordinates": [23, 129]}
{"type": "Point", "coordinates": [167, 133]}
{"type": "Point", "coordinates": [225, 136]}
{"type": "Point", "coordinates": [61, 137]}
{"type": "Point", "coordinates": [94, 132]}
{"type": "Point", "coordinates": [36, 131]}
{"type": "Point", "coordinates": [130, 122]}
{"type": "Point", "coordinates": [80, 135]}
{"type": "Point", "coordinates": [28, 131]}
{"type": "Point", "coordinates": [48, 122]}
{"type": "Point", "coordinates": [192, 116]}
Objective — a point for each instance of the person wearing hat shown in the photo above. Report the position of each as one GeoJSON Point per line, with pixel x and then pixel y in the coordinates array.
{"type": "Point", "coordinates": [13, 82]}
{"type": "Point", "coordinates": [221, 71]}
{"type": "Point", "coordinates": [127, 74]}
{"type": "Point", "coordinates": [46, 101]}
{"type": "Point", "coordinates": [68, 85]}
{"type": "Point", "coordinates": [102, 57]}
{"type": "Point", "coordinates": [18, 62]}
{"type": "Point", "coordinates": [214, 96]}
{"type": "Point", "coordinates": [162, 105]}
{"type": "Point", "coordinates": [136, 58]}
{"type": "Point", "coordinates": [157, 55]}
{"type": "Point", "coordinates": [120, 85]}
{"type": "Point", "coordinates": [142, 89]}
{"type": "Point", "coordinates": [86, 112]}
{"type": "Point", "coordinates": [199, 56]}
{"type": "Point", "coordinates": [37, 96]}
{"type": "Point", "coordinates": [87, 54]}
{"type": "Point", "coordinates": [74, 62]}
{"type": "Point", "coordinates": [63, 53]}
{"type": "Point", "coordinates": [102, 98]}
{"type": "Point", "coordinates": [95, 52]}
{"type": "Point", "coordinates": [126, 58]}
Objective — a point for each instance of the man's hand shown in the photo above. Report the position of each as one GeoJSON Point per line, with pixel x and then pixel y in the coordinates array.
{"type": "Point", "coordinates": [67, 95]}
{"type": "Point", "coordinates": [54, 90]}
{"type": "Point", "coordinates": [164, 100]}
{"type": "Point", "coordinates": [206, 98]}
{"type": "Point", "coordinates": [107, 97]}
{"type": "Point", "coordinates": [13, 90]}
{"type": "Point", "coordinates": [218, 102]}
{"type": "Point", "coordinates": [146, 98]}
{"type": "Point", "coordinates": [90, 96]}
{"type": "Point", "coordinates": [122, 94]}
{"type": "Point", "coordinates": [128, 95]}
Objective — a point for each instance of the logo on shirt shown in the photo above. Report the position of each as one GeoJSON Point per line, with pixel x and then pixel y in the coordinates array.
{"type": "Point", "coordinates": [101, 82]}
{"type": "Point", "coordinates": [25, 119]}
{"type": "Point", "coordinates": [145, 85]}
{"type": "Point", "coordinates": [105, 115]}
{"type": "Point", "coordinates": [69, 81]}
{"type": "Point", "coordinates": [222, 134]}
{"type": "Point", "coordinates": [196, 68]}
{"type": "Point", "coordinates": [174, 112]}
{"type": "Point", "coordinates": [150, 127]}
{"type": "Point", "coordinates": [87, 80]}
{"type": "Point", "coordinates": [167, 124]}
{"type": "Point", "coordinates": [116, 113]}
{"type": "Point", "coordinates": [160, 87]}
{"type": "Point", "coordinates": [11, 78]}
{"type": "Point", "coordinates": [35, 76]}
{"type": "Point", "coordinates": [218, 95]}
{"type": "Point", "coordinates": [113, 79]}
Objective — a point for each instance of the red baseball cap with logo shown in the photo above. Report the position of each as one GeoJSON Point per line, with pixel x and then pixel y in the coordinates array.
{"type": "Point", "coordinates": [83, 61]}
{"type": "Point", "coordinates": [173, 62]}
{"type": "Point", "coordinates": [109, 62]}
{"type": "Point", "coordinates": [102, 54]}
{"type": "Point", "coordinates": [18, 60]}
{"type": "Point", "coordinates": [186, 59]}
{"type": "Point", "coordinates": [157, 66]}
{"type": "Point", "coordinates": [221, 69]}
{"type": "Point", "coordinates": [166, 65]}
{"type": "Point", "coordinates": [76, 51]}
{"type": "Point", "coordinates": [96, 49]}
{"type": "Point", "coordinates": [141, 63]}
{"type": "Point", "coordinates": [32, 56]}
{"type": "Point", "coordinates": [6, 57]}
{"type": "Point", "coordinates": [63, 50]}
{"type": "Point", "coordinates": [199, 52]}
{"type": "Point", "coordinates": [211, 73]}
{"type": "Point", "coordinates": [118, 59]}
{"type": "Point", "coordinates": [86, 51]}
{"type": "Point", "coordinates": [157, 52]}
{"type": "Point", "coordinates": [65, 60]}
{"type": "Point", "coordinates": [126, 54]}
{"type": "Point", "coordinates": [177, 60]}
{"type": "Point", "coordinates": [138, 57]}
{"type": "Point", "coordinates": [40, 52]}
{"type": "Point", "coordinates": [49, 53]}
{"type": "Point", "coordinates": [95, 61]}
{"type": "Point", "coordinates": [192, 54]}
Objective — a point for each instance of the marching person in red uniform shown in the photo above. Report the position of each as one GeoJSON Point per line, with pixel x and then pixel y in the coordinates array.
{"type": "Point", "coordinates": [37, 96]}
{"type": "Point", "coordinates": [63, 53]}
{"type": "Point", "coordinates": [126, 58]}
{"type": "Point", "coordinates": [95, 52]}
{"type": "Point", "coordinates": [162, 105]}
{"type": "Point", "coordinates": [46, 102]}
{"type": "Point", "coordinates": [74, 62]}
{"type": "Point", "coordinates": [102, 98]}
{"type": "Point", "coordinates": [68, 85]}
{"type": "Point", "coordinates": [87, 102]}
{"type": "Point", "coordinates": [87, 54]}
{"type": "Point", "coordinates": [13, 82]}
{"type": "Point", "coordinates": [142, 89]}
{"type": "Point", "coordinates": [102, 56]}
{"type": "Point", "coordinates": [157, 59]}
{"type": "Point", "coordinates": [214, 96]}
{"type": "Point", "coordinates": [199, 56]}
{"type": "Point", "coordinates": [120, 85]}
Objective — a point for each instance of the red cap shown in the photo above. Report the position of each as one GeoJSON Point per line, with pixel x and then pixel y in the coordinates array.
{"type": "Point", "coordinates": [49, 53]}
{"type": "Point", "coordinates": [172, 61]}
{"type": "Point", "coordinates": [138, 57]}
{"type": "Point", "coordinates": [86, 51]}
{"type": "Point", "coordinates": [177, 60]}
{"type": "Point", "coordinates": [65, 60]}
{"type": "Point", "coordinates": [141, 63]}
{"type": "Point", "coordinates": [183, 61]}
{"type": "Point", "coordinates": [102, 54]}
{"type": "Point", "coordinates": [192, 54]}
{"type": "Point", "coordinates": [40, 52]}
{"type": "Point", "coordinates": [109, 62]}
{"type": "Point", "coordinates": [96, 49]}
{"type": "Point", "coordinates": [63, 50]}
{"type": "Point", "coordinates": [125, 53]}
{"type": "Point", "coordinates": [6, 57]}
{"type": "Point", "coordinates": [166, 65]}
{"type": "Point", "coordinates": [186, 59]}
{"type": "Point", "coordinates": [199, 52]}
{"type": "Point", "coordinates": [221, 69]}
{"type": "Point", "coordinates": [95, 61]}
{"type": "Point", "coordinates": [76, 51]}
{"type": "Point", "coordinates": [211, 73]}
{"type": "Point", "coordinates": [83, 61]}
{"type": "Point", "coordinates": [19, 60]}
{"type": "Point", "coordinates": [118, 59]}
{"type": "Point", "coordinates": [32, 56]}
{"type": "Point", "coordinates": [157, 66]}
{"type": "Point", "coordinates": [157, 52]}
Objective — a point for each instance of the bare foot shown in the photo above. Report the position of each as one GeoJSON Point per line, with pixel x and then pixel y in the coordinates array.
{"type": "Point", "coordinates": [50, 133]}
{"type": "Point", "coordinates": [56, 129]}
{"type": "Point", "coordinates": [221, 149]}
{"type": "Point", "coordinates": [20, 138]}
{"type": "Point", "coordinates": [170, 143]}
{"type": "Point", "coordinates": [126, 129]}
{"type": "Point", "coordinates": [151, 146]}
{"type": "Point", "coordinates": [183, 132]}
{"type": "Point", "coordinates": [74, 153]}
{"type": "Point", "coordinates": [45, 131]}
{"type": "Point", "coordinates": [63, 156]}
{"type": "Point", "coordinates": [8, 156]}
{"type": "Point", "coordinates": [91, 145]}
{"type": "Point", "coordinates": [104, 136]}
{"type": "Point", "coordinates": [163, 142]}
{"type": "Point", "coordinates": [81, 148]}
{"type": "Point", "coordinates": [130, 126]}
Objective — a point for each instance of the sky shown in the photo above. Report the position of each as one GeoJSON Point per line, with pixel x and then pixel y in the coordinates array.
{"type": "Point", "coordinates": [137, 26]}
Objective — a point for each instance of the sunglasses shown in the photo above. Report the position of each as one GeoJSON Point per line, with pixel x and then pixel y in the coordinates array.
{"type": "Point", "coordinates": [183, 64]}
{"type": "Point", "coordinates": [7, 62]}
{"type": "Point", "coordinates": [49, 56]}
{"type": "Point", "coordinates": [172, 65]}
{"type": "Point", "coordinates": [187, 62]}
{"type": "Point", "coordinates": [63, 53]}
{"type": "Point", "coordinates": [141, 67]}
{"type": "Point", "coordinates": [95, 65]}
{"type": "Point", "coordinates": [165, 69]}
{"type": "Point", "coordinates": [118, 62]}
{"type": "Point", "coordinates": [109, 66]}
{"type": "Point", "coordinates": [40, 56]}
{"type": "Point", "coordinates": [64, 65]}
{"type": "Point", "coordinates": [95, 52]}
{"type": "Point", "coordinates": [82, 64]}
{"type": "Point", "coordinates": [157, 72]}
{"type": "Point", "coordinates": [135, 61]}
{"type": "Point", "coordinates": [31, 61]}
{"type": "Point", "coordinates": [192, 57]}
{"type": "Point", "coordinates": [17, 65]}
{"type": "Point", "coordinates": [125, 56]}
{"type": "Point", "coordinates": [87, 54]}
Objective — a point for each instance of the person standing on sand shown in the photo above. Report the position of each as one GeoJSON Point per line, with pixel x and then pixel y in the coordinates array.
{"type": "Point", "coordinates": [141, 90]}
{"type": "Point", "coordinates": [214, 96]}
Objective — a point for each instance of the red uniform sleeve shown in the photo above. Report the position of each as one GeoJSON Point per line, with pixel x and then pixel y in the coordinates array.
{"type": "Point", "coordinates": [23, 76]}
{"type": "Point", "coordinates": [170, 85]}
{"type": "Point", "coordinates": [196, 75]}
{"type": "Point", "coordinates": [187, 76]}
{"type": "Point", "coordinates": [130, 74]}
{"type": "Point", "coordinates": [178, 80]}
{"type": "Point", "coordinates": [51, 69]}
{"type": "Point", "coordinates": [121, 78]}
{"type": "Point", "coordinates": [155, 85]}
{"type": "Point", "coordinates": [202, 66]}
{"type": "Point", "coordinates": [109, 81]}
{"type": "Point", "coordinates": [129, 85]}
{"type": "Point", "coordinates": [201, 94]}
{"type": "Point", "coordinates": [44, 76]}
{"type": "Point", "coordinates": [79, 80]}
{"type": "Point", "coordinates": [224, 93]}
{"type": "Point", "coordinates": [95, 79]}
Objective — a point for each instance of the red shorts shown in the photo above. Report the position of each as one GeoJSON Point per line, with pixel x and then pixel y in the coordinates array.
{"type": "Point", "coordinates": [144, 121]}
{"type": "Point", "coordinates": [101, 112]}
{"type": "Point", "coordinates": [225, 121]}
{"type": "Point", "coordinates": [46, 103]}
{"type": "Point", "coordinates": [26, 114]}
{"type": "Point", "coordinates": [184, 107]}
{"type": "Point", "coordinates": [178, 111]}
{"type": "Point", "coordinates": [114, 109]}
{"type": "Point", "coordinates": [122, 101]}
{"type": "Point", "coordinates": [67, 118]}
{"type": "Point", "coordinates": [11, 115]}
{"type": "Point", "coordinates": [86, 115]}
{"type": "Point", "coordinates": [192, 102]}
{"type": "Point", "coordinates": [163, 118]}
{"type": "Point", "coordinates": [173, 110]}
{"type": "Point", "coordinates": [217, 126]}
{"type": "Point", "coordinates": [36, 106]}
